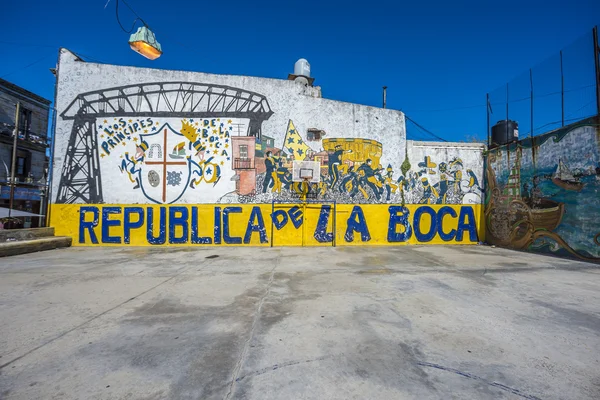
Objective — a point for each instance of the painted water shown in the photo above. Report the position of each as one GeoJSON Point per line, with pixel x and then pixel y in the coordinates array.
{"type": "Point", "coordinates": [579, 150]}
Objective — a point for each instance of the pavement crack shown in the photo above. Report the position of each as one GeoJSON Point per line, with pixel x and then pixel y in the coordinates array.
{"type": "Point", "coordinates": [244, 352]}
{"type": "Point", "coordinates": [514, 391]}
{"type": "Point", "coordinates": [281, 365]}
{"type": "Point", "coordinates": [91, 319]}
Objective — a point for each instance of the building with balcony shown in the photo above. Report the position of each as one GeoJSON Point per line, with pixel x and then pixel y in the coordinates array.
{"type": "Point", "coordinates": [31, 166]}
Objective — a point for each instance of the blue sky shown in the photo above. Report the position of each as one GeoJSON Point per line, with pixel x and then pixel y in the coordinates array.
{"type": "Point", "coordinates": [432, 55]}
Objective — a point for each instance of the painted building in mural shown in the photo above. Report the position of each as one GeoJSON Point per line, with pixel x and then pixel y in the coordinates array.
{"type": "Point", "coordinates": [146, 156]}
{"type": "Point", "coordinates": [544, 194]}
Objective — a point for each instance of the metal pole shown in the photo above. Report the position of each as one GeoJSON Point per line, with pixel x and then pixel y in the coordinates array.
{"type": "Point", "coordinates": [487, 111]}
{"type": "Point", "coordinates": [597, 65]}
{"type": "Point", "coordinates": [41, 219]}
{"type": "Point", "coordinates": [531, 105]}
{"type": "Point", "coordinates": [506, 135]}
{"type": "Point", "coordinates": [14, 159]}
{"type": "Point", "coordinates": [384, 96]}
{"type": "Point", "coordinates": [562, 91]}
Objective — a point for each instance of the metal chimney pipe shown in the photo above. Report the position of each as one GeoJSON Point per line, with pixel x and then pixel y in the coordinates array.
{"type": "Point", "coordinates": [384, 96]}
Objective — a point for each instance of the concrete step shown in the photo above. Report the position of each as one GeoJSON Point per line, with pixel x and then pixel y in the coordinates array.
{"type": "Point", "coordinates": [31, 246]}
{"type": "Point", "coordinates": [25, 234]}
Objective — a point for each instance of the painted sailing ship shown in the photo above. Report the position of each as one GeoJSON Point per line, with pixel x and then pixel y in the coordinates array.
{"type": "Point", "coordinates": [564, 178]}
{"type": "Point", "coordinates": [545, 213]}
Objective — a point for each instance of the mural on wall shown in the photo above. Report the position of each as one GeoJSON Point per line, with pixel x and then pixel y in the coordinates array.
{"type": "Point", "coordinates": [162, 162]}
{"type": "Point", "coordinates": [352, 170]}
{"type": "Point", "coordinates": [545, 195]}
{"type": "Point", "coordinates": [188, 163]}
{"type": "Point", "coordinates": [140, 120]}
{"type": "Point", "coordinates": [160, 144]}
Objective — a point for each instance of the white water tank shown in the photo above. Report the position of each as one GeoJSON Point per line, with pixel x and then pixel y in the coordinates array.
{"type": "Point", "coordinates": [302, 67]}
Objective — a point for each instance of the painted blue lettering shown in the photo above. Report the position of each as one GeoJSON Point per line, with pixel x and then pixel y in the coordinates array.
{"type": "Point", "coordinates": [420, 236]}
{"type": "Point", "coordinates": [136, 126]}
{"type": "Point", "coordinates": [399, 216]}
{"type": "Point", "coordinates": [468, 225]}
{"type": "Point", "coordinates": [230, 239]}
{"type": "Point", "coordinates": [120, 135]}
{"type": "Point", "coordinates": [258, 227]}
{"type": "Point", "coordinates": [105, 147]}
{"type": "Point", "coordinates": [128, 225]}
{"type": "Point", "coordinates": [217, 228]}
{"type": "Point", "coordinates": [162, 226]}
{"type": "Point", "coordinates": [178, 217]}
{"type": "Point", "coordinates": [296, 216]}
{"type": "Point", "coordinates": [356, 222]}
{"type": "Point", "coordinates": [321, 233]}
{"type": "Point", "coordinates": [195, 238]}
{"type": "Point", "coordinates": [107, 223]}
{"type": "Point", "coordinates": [446, 237]}
{"type": "Point", "coordinates": [89, 225]}
{"type": "Point", "coordinates": [275, 215]}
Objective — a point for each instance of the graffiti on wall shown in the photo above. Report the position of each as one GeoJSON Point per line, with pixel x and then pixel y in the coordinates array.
{"type": "Point", "coordinates": [179, 142]}
{"type": "Point", "coordinates": [544, 195]}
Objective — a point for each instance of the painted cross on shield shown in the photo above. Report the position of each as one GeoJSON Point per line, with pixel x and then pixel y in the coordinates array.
{"type": "Point", "coordinates": [165, 174]}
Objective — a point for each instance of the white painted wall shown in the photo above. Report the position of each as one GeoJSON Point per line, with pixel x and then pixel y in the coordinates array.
{"type": "Point", "coordinates": [287, 99]}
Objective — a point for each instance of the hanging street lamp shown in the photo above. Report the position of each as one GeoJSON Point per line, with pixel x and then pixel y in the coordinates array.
{"type": "Point", "coordinates": [144, 42]}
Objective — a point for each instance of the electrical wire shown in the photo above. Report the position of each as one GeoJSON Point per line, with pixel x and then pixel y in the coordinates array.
{"type": "Point", "coordinates": [80, 55]}
{"type": "Point", "coordinates": [28, 44]}
{"type": "Point", "coordinates": [557, 122]}
{"type": "Point", "coordinates": [26, 66]}
{"type": "Point", "coordinates": [504, 102]}
{"type": "Point", "coordinates": [119, 21]}
{"type": "Point", "coordinates": [424, 129]}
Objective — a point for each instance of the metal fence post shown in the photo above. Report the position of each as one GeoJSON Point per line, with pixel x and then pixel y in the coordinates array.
{"type": "Point", "coordinates": [597, 66]}
{"type": "Point", "coordinates": [487, 111]}
{"type": "Point", "coordinates": [562, 91]}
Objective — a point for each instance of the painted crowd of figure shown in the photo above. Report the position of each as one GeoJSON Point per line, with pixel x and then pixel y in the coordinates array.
{"type": "Point", "coordinates": [344, 176]}
{"type": "Point", "coordinates": [374, 184]}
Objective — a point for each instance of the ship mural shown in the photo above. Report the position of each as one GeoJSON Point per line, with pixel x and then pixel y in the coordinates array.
{"type": "Point", "coordinates": [544, 193]}
{"type": "Point", "coordinates": [565, 179]}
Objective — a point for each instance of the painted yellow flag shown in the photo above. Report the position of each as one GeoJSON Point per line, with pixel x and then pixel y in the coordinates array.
{"type": "Point", "coordinates": [293, 143]}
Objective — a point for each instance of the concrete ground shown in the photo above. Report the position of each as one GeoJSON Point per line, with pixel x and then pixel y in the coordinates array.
{"type": "Point", "coordinates": [420, 322]}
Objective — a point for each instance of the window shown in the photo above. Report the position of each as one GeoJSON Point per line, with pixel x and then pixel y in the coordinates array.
{"type": "Point", "coordinates": [243, 151]}
{"type": "Point", "coordinates": [25, 122]}
{"type": "Point", "coordinates": [315, 134]}
{"type": "Point", "coordinates": [21, 163]}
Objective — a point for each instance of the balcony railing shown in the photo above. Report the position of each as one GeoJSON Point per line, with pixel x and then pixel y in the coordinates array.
{"type": "Point", "coordinates": [243, 163]}
{"type": "Point", "coordinates": [27, 136]}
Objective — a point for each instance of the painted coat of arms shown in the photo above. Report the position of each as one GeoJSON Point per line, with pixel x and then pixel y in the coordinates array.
{"type": "Point", "coordinates": [166, 162]}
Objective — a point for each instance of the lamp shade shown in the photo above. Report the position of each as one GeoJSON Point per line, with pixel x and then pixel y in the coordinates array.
{"type": "Point", "coordinates": [144, 42]}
